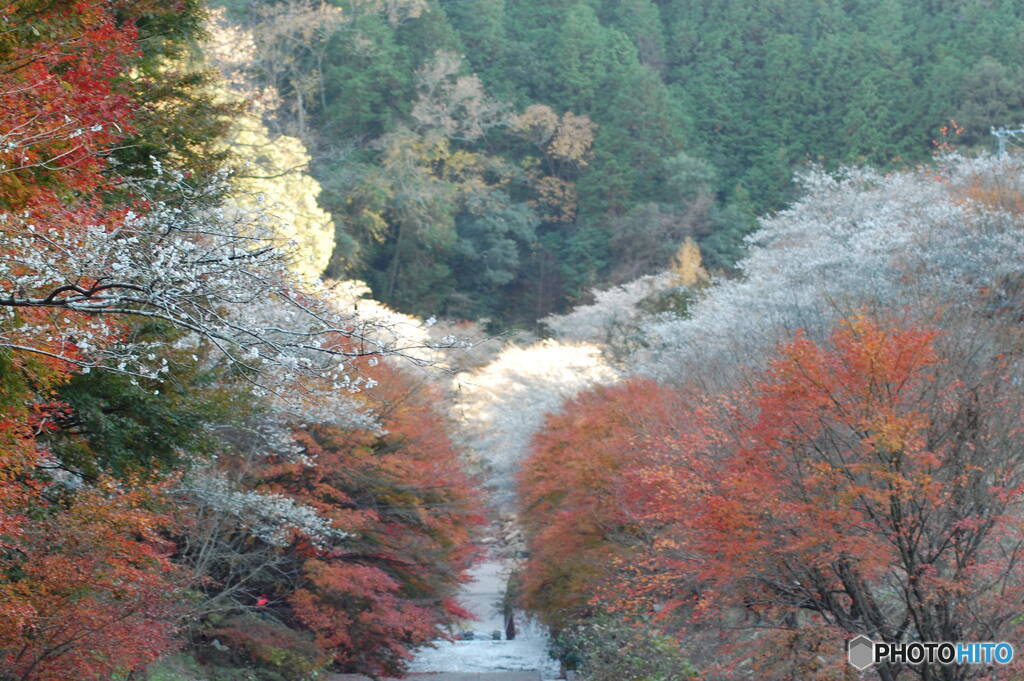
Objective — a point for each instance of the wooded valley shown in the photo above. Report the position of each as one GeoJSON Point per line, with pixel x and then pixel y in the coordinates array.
{"type": "Point", "coordinates": [699, 319]}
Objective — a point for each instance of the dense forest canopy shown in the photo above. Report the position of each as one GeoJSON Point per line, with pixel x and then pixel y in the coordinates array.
{"type": "Point", "coordinates": [492, 159]}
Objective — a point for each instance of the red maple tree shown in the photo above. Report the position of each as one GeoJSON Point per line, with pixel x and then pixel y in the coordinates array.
{"type": "Point", "coordinates": [867, 485]}
{"type": "Point", "coordinates": [409, 511]}
{"type": "Point", "coordinates": [85, 582]}
{"type": "Point", "coordinates": [574, 489]}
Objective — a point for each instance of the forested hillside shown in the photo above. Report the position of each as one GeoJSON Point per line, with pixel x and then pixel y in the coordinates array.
{"type": "Point", "coordinates": [484, 158]}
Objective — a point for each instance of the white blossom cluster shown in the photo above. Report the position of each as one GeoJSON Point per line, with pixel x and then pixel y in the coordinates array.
{"type": "Point", "coordinates": [338, 410]}
{"type": "Point", "coordinates": [17, 141]}
{"type": "Point", "coordinates": [505, 402]}
{"type": "Point", "coordinates": [205, 270]}
{"type": "Point", "coordinates": [272, 435]}
{"type": "Point", "coordinates": [612, 309]}
{"type": "Point", "coordinates": [412, 333]}
{"type": "Point", "coordinates": [271, 518]}
{"type": "Point", "coordinates": [924, 240]}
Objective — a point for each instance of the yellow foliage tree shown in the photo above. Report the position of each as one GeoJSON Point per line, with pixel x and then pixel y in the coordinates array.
{"type": "Point", "coordinates": [566, 143]}
{"type": "Point", "coordinates": [274, 181]}
{"type": "Point", "coordinates": [687, 264]}
{"type": "Point", "coordinates": [271, 178]}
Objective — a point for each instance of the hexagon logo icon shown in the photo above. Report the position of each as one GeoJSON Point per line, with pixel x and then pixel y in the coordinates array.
{"type": "Point", "coordinates": [860, 651]}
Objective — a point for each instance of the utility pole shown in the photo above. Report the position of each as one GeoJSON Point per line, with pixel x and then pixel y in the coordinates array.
{"type": "Point", "coordinates": [1003, 134]}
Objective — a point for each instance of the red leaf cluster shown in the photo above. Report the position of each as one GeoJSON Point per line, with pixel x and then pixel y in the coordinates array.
{"type": "Point", "coordinates": [410, 512]}
{"type": "Point", "coordinates": [62, 106]}
{"type": "Point", "coordinates": [93, 592]}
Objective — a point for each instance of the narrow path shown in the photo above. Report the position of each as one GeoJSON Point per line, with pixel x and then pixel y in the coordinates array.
{"type": "Point", "coordinates": [451, 676]}
{"type": "Point", "coordinates": [527, 652]}
{"type": "Point", "coordinates": [483, 658]}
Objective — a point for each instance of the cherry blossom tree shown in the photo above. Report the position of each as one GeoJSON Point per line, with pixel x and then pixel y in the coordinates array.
{"type": "Point", "coordinates": [505, 402]}
{"type": "Point", "coordinates": [927, 239]}
{"type": "Point", "coordinates": [85, 250]}
{"type": "Point", "coordinates": [221, 275]}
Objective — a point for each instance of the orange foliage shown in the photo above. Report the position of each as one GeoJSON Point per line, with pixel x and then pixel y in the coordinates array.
{"type": "Point", "coordinates": [995, 193]}
{"type": "Point", "coordinates": [573, 493]}
{"type": "Point", "coordinates": [93, 591]}
{"type": "Point", "coordinates": [862, 485]}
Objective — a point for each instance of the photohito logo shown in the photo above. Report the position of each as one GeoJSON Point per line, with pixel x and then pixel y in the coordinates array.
{"type": "Point", "coordinates": [862, 652]}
